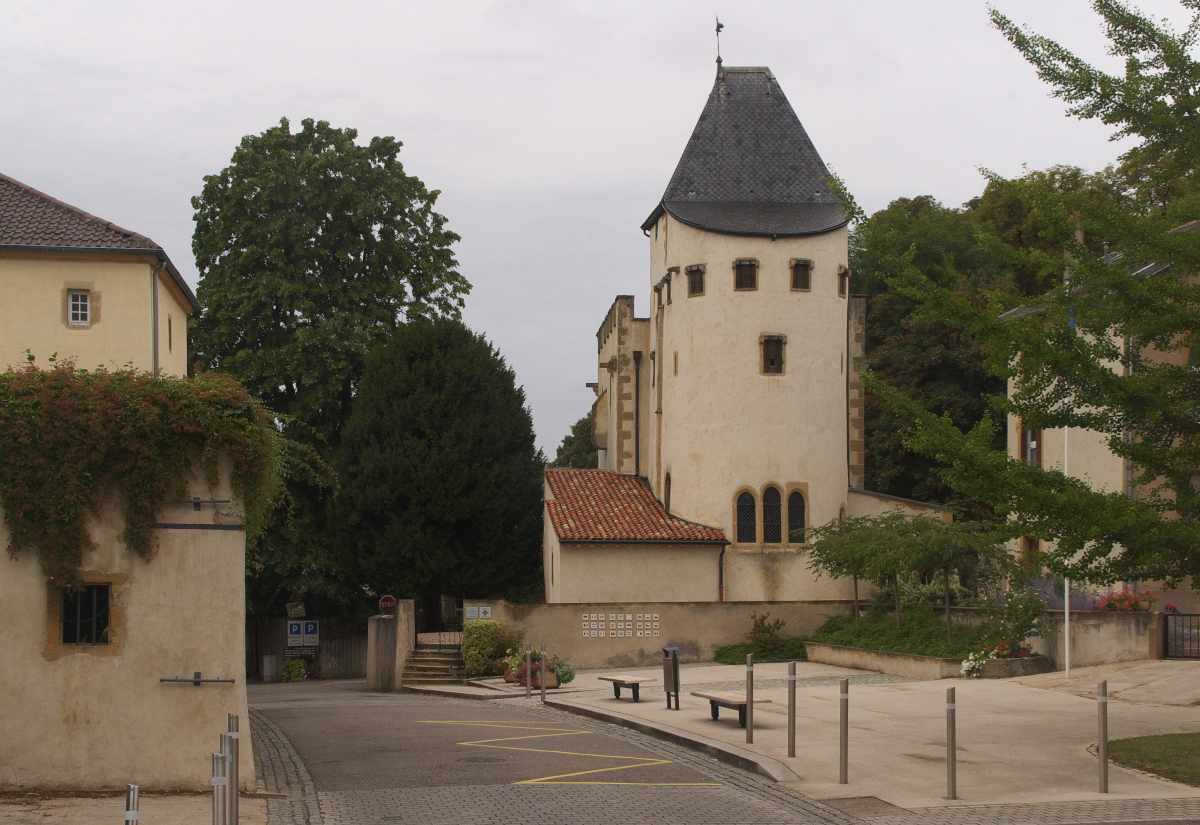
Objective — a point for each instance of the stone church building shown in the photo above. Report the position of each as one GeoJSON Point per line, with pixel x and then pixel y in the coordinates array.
{"type": "Point", "coordinates": [731, 417]}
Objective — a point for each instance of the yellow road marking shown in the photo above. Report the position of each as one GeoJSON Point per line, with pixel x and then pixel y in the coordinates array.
{"type": "Point", "coordinates": [562, 778]}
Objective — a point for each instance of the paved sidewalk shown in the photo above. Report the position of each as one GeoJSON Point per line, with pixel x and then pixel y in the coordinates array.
{"type": "Point", "coordinates": [153, 809]}
{"type": "Point", "coordinates": [1017, 744]}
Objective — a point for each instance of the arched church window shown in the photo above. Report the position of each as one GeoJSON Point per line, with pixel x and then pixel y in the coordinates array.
{"type": "Point", "coordinates": [667, 494]}
{"type": "Point", "coordinates": [747, 527]}
{"type": "Point", "coordinates": [796, 517]}
{"type": "Point", "coordinates": [772, 516]}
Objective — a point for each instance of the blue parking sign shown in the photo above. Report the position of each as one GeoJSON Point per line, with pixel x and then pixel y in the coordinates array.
{"type": "Point", "coordinates": [295, 632]}
{"type": "Point", "coordinates": [312, 636]}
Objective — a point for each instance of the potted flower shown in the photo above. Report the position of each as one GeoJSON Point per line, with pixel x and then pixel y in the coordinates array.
{"type": "Point", "coordinates": [1127, 600]}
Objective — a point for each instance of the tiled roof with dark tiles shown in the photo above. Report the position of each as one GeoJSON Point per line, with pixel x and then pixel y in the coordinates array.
{"type": "Point", "coordinates": [29, 218]}
{"type": "Point", "coordinates": [749, 167]}
{"type": "Point", "coordinates": [32, 218]}
{"type": "Point", "coordinates": [602, 506]}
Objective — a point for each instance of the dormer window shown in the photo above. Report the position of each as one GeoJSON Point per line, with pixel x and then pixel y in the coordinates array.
{"type": "Point", "coordinates": [695, 280]}
{"type": "Point", "coordinates": [745, 275]}
{"type": "Point", "coordinates": [79, 307]}
{"type": "Point", "coordinates": [801, 276]}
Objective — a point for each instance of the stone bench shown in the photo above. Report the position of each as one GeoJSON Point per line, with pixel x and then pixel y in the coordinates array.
{"type": "Point", "coordinates": [734, 701]}
{"type": "Point", "coordinates": [631, 682]}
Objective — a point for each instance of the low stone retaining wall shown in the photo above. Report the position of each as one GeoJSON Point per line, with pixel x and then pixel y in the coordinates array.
{"type": "Point", "coordinates": [1011, 668]}
{"type": "Point", "coordinates": [909, 665]}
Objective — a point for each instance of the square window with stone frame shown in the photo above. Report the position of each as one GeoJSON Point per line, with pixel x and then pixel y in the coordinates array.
{"type": "Point", "coordinates": [695, 280]}
{"type": "Point", "coordinates": [745, 275]}
{"type": "Point", "coordinates": [85, 614]}
{"type": "Point", "coordinates": [79, 307]}
{"type": "Point", "coordinates": [843, 281]}
{"type": "Point", "coordinates": [801, 276]}
{"type": "Point", "coordinates": [772, 354]}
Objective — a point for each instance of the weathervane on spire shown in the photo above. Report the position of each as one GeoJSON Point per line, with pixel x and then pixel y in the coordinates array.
{"type": "Point", "coordinates": [720, 26]}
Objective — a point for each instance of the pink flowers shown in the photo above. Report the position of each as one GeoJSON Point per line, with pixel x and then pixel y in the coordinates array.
{"type": "Point", "coordinates": [1128, 600]}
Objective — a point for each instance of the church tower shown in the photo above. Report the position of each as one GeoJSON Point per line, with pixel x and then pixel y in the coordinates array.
{"type": "Point", "coordinates": [748, 333]}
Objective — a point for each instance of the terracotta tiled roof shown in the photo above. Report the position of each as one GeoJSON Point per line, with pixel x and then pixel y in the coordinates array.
{"type": "Point", "coordinates": [29, 218]}
{"type": "Point", "coordinates": [600, 505]}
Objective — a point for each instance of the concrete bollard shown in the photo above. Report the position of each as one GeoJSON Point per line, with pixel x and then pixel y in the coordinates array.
{"type": "Point", "coordinates": [792, 710]}
{"type": "Point", "coordinates": [1102, 740]}
{"type": "Point", "coordinates": [233, 773]}
{"type": "Point", "coordinates": [749, 698]}
{"type": "Point", "coordinates": [844, 733]}
{"type": "Point", "coordinates": [528, 671]}
{"type": "Point", "coordinates": [132, 792]}
{"type": "Point", "coordinates": [219, 788]}
{"type": "Point", "coordinates": [951, 747]}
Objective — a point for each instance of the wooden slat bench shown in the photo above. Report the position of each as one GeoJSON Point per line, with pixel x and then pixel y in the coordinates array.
{"type": "Point", "coordinates": [735, 701]}
{"type": "Point", "coordinates": [631, 682]}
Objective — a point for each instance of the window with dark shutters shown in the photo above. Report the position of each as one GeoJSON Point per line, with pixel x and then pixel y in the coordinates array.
{"type": "Point", "coordinates": [747, 527]}
{"type": "Point", "coordinates": [772, 351]}
{"type": "Point", "coordinates": [796, 523]}
{"type": "Point", "coordinates": [695, 280]}
{"type": "Point", "coordinates": [745, 275]}
{"type": "Point", "coordinates": [802, 275]}
{"type": "Point", "coordinates": [772, 516]}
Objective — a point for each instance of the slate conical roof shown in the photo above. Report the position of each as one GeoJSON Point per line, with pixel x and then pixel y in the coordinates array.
{"type": "Point", "coordinates": [749, 167]}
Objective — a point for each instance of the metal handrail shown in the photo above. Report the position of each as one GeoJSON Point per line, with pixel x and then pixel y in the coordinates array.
{"type": "Point", "coordinates": [195, 680]}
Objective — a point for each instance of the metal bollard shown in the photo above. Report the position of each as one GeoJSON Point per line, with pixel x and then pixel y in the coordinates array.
{"type": "Point", "coordinates": [219, 787]}
{"type": "Point", "coordinates": [792, 710]}
{"type": "Point", "coordinates": [227, 753]}
{"type": "Point", "coordinates": [749, 698]}
{"type": "Point", "coordinates": [543, 673]}
{"type": "Point", "coordinates": [235, 746]}
{"type": "Point", "coordinates": [951, 748]}
{"type": "Point", "coordinates": [528, 670]}
{"type": "Point", "coordinates": [844, 734]}
{"type": "Point", "coordinates": [132, 792]}
{"type": "Point", "coordinates": [1102, 721]}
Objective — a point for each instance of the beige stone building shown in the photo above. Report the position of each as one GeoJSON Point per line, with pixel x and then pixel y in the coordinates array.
{"type": "Point", "coordinates": [83, 704]}
{"type": "Point", "coordinates": [735, 402]}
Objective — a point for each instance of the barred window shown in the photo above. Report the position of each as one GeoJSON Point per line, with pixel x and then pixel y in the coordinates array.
{"type": "Point", "coordinates": [78, 307]}
{"type": "Point", "coordinates": [796, 522]}
{"type": "Point", "coordinates": [745, 275]}
{"type": "Point", "coordinates": [695, 279]}
{"type": "Point", "coordinates": [85, 615]}
{"type": "Point", "coordinates": [772, 516]}
{"type": "Point", "coordinates": [747, 527]}
{"type": "Point", "coordinates": [801, 275]}
{"type": "Point", "coordinates": [772, 355]}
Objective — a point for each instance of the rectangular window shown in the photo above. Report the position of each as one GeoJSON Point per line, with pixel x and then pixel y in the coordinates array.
{"type": "Point", "coordinates": [802, 275]}
{"type": "Point", "coordinates": [78, 307]}
{"type": "Point", "coordinates": [695, 279]}
{"type": "Point", "coordinates": [85, 615]}
{"type": "Point", "coordinates": [843, 281]}
{"type": "Point", "coordinates": [772, 353]}
{"type": "Point", "coordinates": [745, 275]}
{"type": "Point", "coordinates": [1031, 446]}
{"type": "Point", "coordinates": [170, 336]}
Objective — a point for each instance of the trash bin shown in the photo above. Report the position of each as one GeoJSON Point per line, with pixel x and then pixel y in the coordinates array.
{"type": "Point", "coordinates": [671, 674]}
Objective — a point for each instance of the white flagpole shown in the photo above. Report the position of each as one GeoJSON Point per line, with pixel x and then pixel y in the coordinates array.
{"type": "Point", "coordinates": [1067, 582]}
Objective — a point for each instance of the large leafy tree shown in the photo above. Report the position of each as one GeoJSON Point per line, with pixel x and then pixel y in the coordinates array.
{"type": "Point", "coordinates": [311, 249]}
{"type": "Point", "coordinates": [441, 481]}
{"type": "Point", "coordinates": [576, 449]}
{"type": "Point", "coordinates": [1108, 348]}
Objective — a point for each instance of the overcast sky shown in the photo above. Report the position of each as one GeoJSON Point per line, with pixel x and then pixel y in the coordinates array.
{"type": "Point", "coordinates": [551, 128]}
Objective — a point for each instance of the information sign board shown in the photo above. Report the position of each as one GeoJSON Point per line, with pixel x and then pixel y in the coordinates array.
{"type": "Point", "coordinates": [471, 612]}
{"type": "Point", "coordinates": [311, 636]}
{"type": "Point", "coordinates": [485, 611]}
{"type": "Point", "coordinates": [295, 634]}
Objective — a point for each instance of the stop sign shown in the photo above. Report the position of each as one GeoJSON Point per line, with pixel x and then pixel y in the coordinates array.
{"type": "Point", "coordinates": [387, 604]}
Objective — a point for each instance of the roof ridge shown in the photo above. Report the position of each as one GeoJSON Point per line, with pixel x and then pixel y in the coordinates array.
{"type": "Point", "coordinates": [75, 209]}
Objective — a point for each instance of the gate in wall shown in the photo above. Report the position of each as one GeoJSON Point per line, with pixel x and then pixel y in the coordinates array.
{"type": "Point", "coordinates": [1182, 635]}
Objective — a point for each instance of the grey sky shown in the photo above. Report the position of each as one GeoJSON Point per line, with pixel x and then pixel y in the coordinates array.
{"type": "Point", "coordinates": [550, 127]}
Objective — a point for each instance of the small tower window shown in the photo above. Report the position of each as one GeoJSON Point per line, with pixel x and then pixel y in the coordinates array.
{"type": "Point", "coordinates": [747, 528]}
{"type": "Point", "coordinates": [170, 335]}
{"type": "Point", "coordinates": [772, 516]}
{"type": "Point", "coordinates": [695, 279]}
{"type": "Point", "coordinates": [796, 522]}
{"type": "Point", "coordinates": [801, 276]}
{"type": "Point", "coordinates": [85, 615]}
{"type": "Point", "coordinates": [79, 306]}
{"type": "Point", "coordinates": [745, 275]}
{"type": "Point", "coordinates": [667, 494]}
{"type": "Point", "coordinates": [772, 354]}
{"type": "Point", "coordinates": [843, 281]}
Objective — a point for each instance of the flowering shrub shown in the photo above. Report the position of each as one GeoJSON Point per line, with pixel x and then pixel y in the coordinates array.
{"type": "Point", "coordinates": [69, 438]}
{"type": "Point", "coordinates": [555, 664]}
{"type": "Point", "coordinates": [1171, 608]}
{"type": "Point", "coordinates": [764, 631]}
{"type": "Point", "coordinates": [973, 665]}
{"type": "Point", "coordinates": [294, 670]}
{"type": "Point", "coordinates": [1127, 600]}
{"type": "Point", "coordinates": [487, 645]}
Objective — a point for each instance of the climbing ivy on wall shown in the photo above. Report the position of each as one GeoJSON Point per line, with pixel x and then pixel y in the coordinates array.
{"type": "Point", "coordinates": [70, 440]}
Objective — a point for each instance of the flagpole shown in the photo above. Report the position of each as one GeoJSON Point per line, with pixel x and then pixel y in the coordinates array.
{"type": "Point", "coordinates": [1066, 581]}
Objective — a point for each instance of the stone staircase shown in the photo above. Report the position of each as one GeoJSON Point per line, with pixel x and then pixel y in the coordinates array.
{"type": "Point", "coordinates": [429, 665]}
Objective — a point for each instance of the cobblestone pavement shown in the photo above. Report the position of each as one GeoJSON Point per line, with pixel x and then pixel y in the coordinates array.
{"type": "Point", "coordinates": [741, 798]}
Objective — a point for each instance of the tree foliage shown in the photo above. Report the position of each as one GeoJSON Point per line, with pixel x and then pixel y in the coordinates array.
{"type": "Point", "coordinates": [311, 249]}
{"type": "Point", "coordinates": [441, 481]}
{"type": "Point", "coordinates": [576, 449]}
{"type": "Point", "coordinates": [1107, 348]}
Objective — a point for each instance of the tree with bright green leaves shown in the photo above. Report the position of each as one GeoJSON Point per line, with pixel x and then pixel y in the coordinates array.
{"type": "Point", "coordinates": [895, 544]}
{"type": "Point", "coordinates": [312, 248]}
{"type": "Point", "coordinates": [1111, 347]}
{"type": "Point", "coordinates": [441, 483]}
{"type": "Point", "coordinates": [577, 449]}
